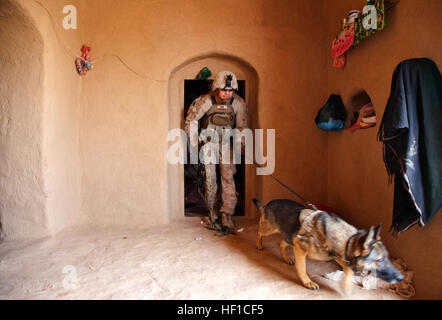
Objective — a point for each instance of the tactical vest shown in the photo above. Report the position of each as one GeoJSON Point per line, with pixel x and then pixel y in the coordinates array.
{"type": "Point", "coordinates": [219, 115]}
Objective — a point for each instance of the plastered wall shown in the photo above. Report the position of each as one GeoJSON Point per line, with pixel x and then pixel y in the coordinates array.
{"type": "Point", "coordinates": [357, 179]}
{"type": "Point", "coordinates": [103, 137]}
{"type": "Point", "coordinates": [62, 89]}
{"type": "Point", "coordinates": [39, 98]}
{"type": "Point", "coordinates": [126, 114]}
{"type": "Point", "coordinates": [93, 148]}
{"type": "Point", "coordinates": [22, 197]}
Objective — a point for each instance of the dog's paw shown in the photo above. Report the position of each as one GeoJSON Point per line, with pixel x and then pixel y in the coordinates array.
{"type": "Point", "coordinates": [290, 261]}
{"type": "Point", "coordinates": [260, 248]}
{"type": "Point", "coordinates": [311, 285]}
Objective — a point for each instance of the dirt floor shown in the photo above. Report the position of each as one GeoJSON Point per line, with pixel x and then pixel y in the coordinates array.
{"type": "Point", "coordinates": [182, 260]}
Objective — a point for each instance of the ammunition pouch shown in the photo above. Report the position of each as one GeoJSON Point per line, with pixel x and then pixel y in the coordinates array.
{"type": "Point", "coordinates": [219, 115]}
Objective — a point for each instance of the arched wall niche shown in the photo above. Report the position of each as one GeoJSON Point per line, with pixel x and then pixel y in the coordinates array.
{"type": "Point", "coordinates": [39, 120]}
{"type": "Point", "coordinates": [22, 196]}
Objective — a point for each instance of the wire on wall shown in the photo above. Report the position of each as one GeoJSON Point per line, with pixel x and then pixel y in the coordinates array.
{"type": "Point", "coordinates": [72, 54]}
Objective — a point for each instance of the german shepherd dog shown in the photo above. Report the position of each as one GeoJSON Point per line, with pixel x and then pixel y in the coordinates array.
{"type": "Point", "coordinates": [323, 236]}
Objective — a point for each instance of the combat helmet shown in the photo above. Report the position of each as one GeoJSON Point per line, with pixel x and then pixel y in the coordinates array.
{"type": "Point", "coordinates": [225, 80]}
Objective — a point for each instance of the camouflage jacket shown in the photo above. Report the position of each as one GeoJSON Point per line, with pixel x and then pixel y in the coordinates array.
{"type": "Point", "coordinates": [202, 104]}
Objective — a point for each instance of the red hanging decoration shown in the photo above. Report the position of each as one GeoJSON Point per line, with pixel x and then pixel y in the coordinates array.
{"type": "Point", "coordinates": [84, 63]}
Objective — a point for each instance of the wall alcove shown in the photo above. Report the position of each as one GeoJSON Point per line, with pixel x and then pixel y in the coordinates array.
{"type": "Point", "coordinates": [22, 198]}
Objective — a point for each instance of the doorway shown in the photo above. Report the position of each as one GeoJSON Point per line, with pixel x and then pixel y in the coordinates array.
{"type": "Point", "coordinates": [194, 205]}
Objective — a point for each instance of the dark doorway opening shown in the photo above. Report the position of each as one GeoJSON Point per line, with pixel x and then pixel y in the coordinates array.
{"type": "Point", "coordinates": [194, 205]}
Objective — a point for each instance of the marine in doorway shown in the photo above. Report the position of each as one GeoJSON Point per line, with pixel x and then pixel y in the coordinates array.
{"type": "Point", "coordinates": [218, 112]}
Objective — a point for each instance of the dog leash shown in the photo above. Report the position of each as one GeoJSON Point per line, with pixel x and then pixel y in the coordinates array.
{"type": "Point", "coordinates": [311, 205]}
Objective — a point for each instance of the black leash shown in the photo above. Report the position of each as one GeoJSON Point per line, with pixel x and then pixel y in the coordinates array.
{"type": "Point", "coordinates": [311, 205]}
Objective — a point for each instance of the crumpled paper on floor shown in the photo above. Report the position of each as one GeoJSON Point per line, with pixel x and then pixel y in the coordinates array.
{"type": "Point", "coordinates": [403, 288]}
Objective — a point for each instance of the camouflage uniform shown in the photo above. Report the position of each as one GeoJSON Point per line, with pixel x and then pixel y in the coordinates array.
{"type": "Point", "coordinates": [212, 150]}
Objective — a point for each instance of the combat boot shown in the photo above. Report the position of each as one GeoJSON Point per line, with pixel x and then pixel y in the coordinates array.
{"type": "Point", "coordinates": [213, 220]}
{"type": "Point", "coordinates": [227, 225]}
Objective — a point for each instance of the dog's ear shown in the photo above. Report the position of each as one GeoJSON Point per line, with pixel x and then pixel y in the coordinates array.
{"type": "Point", "coordinates": [378, 232]}
{"type": "Point", "coordinates": [360, 247]}
{"type": "Point", "coordinates": [367, 240]}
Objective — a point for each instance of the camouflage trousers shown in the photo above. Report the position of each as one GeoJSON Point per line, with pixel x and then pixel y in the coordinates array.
{"type": "Point", "coordinates": [228, 191]}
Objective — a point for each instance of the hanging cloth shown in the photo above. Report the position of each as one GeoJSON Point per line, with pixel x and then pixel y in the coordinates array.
{"type": "Point", "coordinates": [412, 142]}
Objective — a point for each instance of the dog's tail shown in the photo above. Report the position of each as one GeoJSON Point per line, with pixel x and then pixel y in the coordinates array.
{"type": "Point", "coordinates": [259, 205]}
